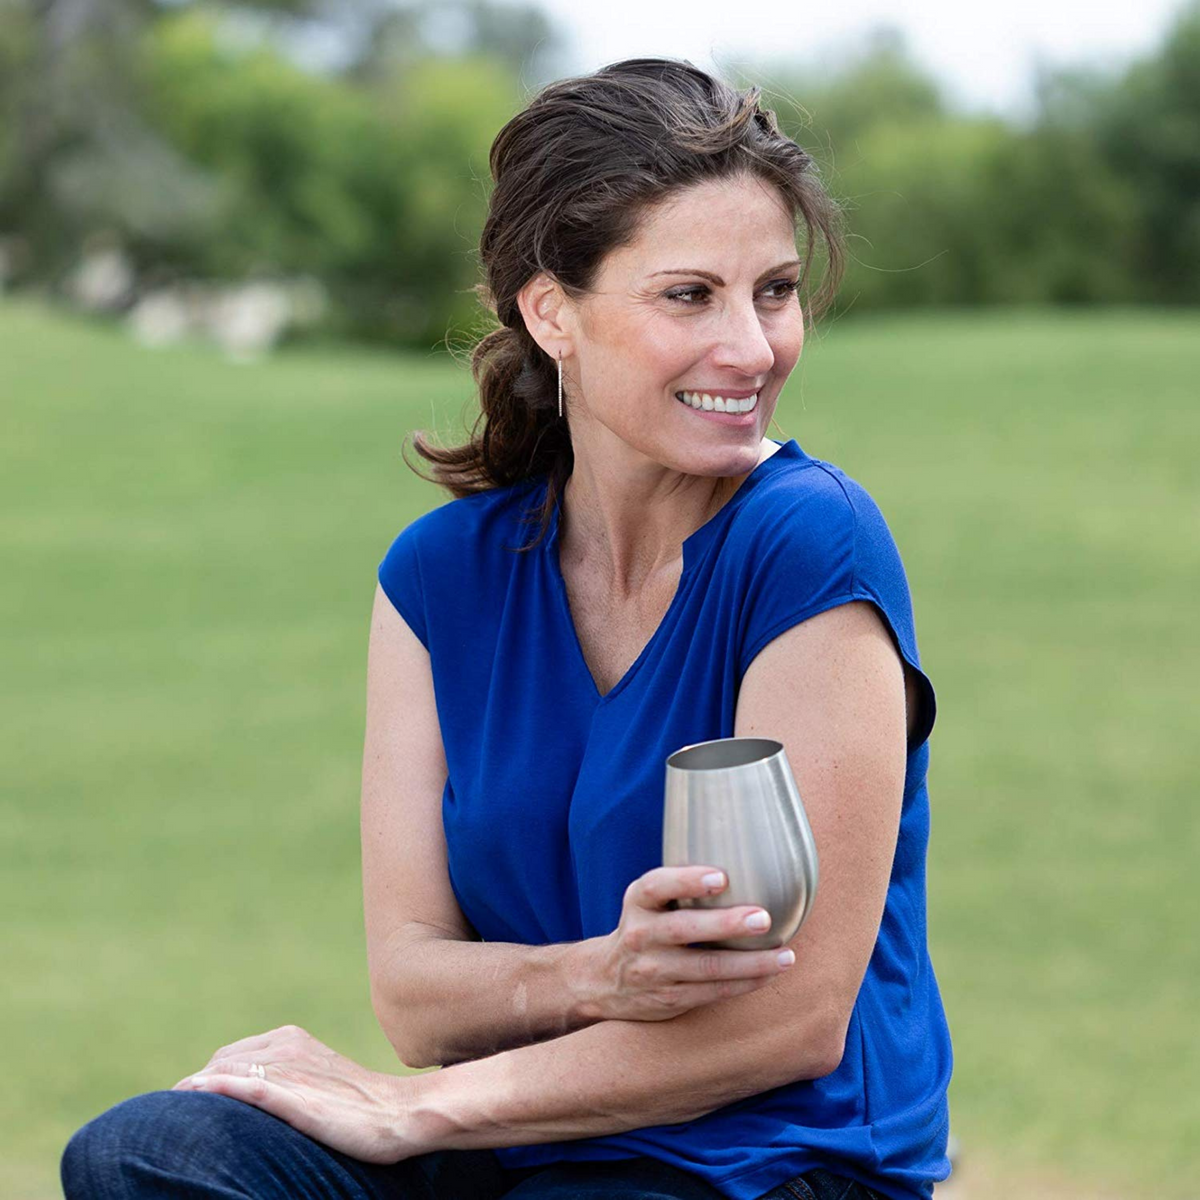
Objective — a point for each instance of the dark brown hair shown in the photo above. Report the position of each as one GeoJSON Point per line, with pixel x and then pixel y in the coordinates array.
{"type": "Point", "coordinates": [575, 172]}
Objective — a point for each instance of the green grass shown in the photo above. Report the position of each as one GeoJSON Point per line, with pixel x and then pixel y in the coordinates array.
{"type": "Point", "coordinates": [190, 551]}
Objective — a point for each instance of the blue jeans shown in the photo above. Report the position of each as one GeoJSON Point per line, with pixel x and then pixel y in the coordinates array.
{"type": "Point", "coordinates": [205, 1145]}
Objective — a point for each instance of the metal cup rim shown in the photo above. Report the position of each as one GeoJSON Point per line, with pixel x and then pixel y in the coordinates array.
{"type": "Point", "coordinates": [770, 747]}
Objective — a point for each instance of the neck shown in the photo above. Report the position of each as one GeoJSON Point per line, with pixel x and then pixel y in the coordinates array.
{"type": "Point", "coordinates": [627, 521]}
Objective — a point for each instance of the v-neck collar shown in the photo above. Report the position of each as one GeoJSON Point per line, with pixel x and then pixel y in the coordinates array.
{"type": "Point", "coordinates": [693, 549]}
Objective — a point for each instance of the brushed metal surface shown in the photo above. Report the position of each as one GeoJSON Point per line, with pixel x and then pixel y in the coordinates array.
{"type": "Point", "coordinates": [733, 803]}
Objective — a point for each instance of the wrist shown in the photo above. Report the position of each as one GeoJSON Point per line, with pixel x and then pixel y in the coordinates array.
{"type": "Point", "coordinates": [450, 1108]}
{"type": "Point", "coordinates": [410, 1130]}
{"type": "Point", "coordinates": [421, 1125]}
{"type": "Point", "coordinates": [583, 978]}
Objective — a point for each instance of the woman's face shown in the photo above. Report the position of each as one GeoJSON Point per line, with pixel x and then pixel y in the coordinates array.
{"type": "Point", "coordinates": [703, 301]}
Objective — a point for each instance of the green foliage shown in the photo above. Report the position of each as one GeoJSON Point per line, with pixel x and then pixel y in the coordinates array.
{"type": "Point", "coordinates": [16, 42]}
{"type": "Point", "coordinates": [915, 191]}
{"type": "Point", "coordinates": [829, 105]}
{"type": "Point", "coordinates": [189, 135]}
{"type": "Point", "coordinates": [286, 147]}
{"type": "Point", "coordinates": [358, 187]}
{"type": "Point", "coordinates": [969, 210]}
{"type": "Point", "coordinates": [444, 113]}
{"type": "Point", "coordinates": [1150, 130]}
{"type": "Point", "coordinates": [947, 208]}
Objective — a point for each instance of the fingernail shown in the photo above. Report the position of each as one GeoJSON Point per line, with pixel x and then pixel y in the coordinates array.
{"type": "Point", "coordinates": [787, 957]}
{"type": "Point", "coordinates": [758, 920]}
{"type": "Point", "coordinates": [713, 879]}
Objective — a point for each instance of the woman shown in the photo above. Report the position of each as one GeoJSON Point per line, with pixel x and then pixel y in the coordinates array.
{"type": "Point", "coordinates": [690, 579]}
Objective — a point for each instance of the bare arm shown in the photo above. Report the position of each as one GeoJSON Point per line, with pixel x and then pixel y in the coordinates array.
{"type": "Point", "coordinates": [620, 1075]}
{"type": "Point", "coordinates": [455, 1001]}
{"type": "Point", "coordinates": [832, 689]}
{"type": "Point", "coordinates": [440, 994]}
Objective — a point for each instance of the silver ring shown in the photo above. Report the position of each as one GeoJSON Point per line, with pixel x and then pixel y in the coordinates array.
{"type": "Point", "coordinates": [259, 1070]}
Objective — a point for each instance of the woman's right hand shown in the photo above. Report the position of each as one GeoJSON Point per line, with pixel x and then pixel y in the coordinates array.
{"type": "Point", "coordinates": [646, 970]}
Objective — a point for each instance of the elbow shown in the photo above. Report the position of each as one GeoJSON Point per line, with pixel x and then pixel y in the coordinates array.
{"type": "Point", "coordinates": [829, 1047]}
{"type": "Point", "coordinates": [412, 1056]}
{"type": "Point", "coordinates": [403, 1033]}
{"type": "Point", "coordinates": [796, 1060]}
{"type": "Point", "coordinates": [814, 1056]}
{"type": "Point", "coordinates": [828, 1058]}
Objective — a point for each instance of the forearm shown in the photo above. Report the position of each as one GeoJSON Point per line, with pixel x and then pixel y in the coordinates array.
{"type": "Point", "coordinates": [452, 1001]}
{"type": "Point", "coordinates": [614, 1076]}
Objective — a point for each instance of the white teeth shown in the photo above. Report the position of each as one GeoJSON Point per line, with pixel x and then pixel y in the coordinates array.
{"type": "Point", "coordinates": [717, 403]}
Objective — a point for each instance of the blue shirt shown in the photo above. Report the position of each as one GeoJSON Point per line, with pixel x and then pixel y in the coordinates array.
{"type": "Point", "coordinates": [553, 804]}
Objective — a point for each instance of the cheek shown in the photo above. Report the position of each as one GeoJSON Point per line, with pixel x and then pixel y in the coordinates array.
{"type": "Point", "coordinates": [651, 362]}
{"type": "Point", "coordinates": [787, 340]}
{"type": "Point", "coordinates": [644, 344]}
{"type": "Point", "coordinates": [667, 346]}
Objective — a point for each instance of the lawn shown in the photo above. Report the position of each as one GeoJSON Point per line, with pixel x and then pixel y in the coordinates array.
{"type": "Point", "coordinates": [190, 549]}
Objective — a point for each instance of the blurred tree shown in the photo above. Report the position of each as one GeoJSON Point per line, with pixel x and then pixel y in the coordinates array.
{"type": "Point", "coordinates": [376, 192]}
{"type": "Point", "coordinates": [78, 155]}
{"type": "Point", "coordinates": [349, 139]}
{"type": "Point", "coordinates": [948, 208]}
{"type": "Point", "coordinates": [205, 140]}
{"type": "Point", "coordinates": [392, 37]}
{"type": "Point", "coordinates": [16, 50]}
{"type": "Point", "coordinates": [915, 191]}
{"type": "Point", "coordinates": [825, 105]}
{"type": "Point", "coordinates": [1150, 132]}
{"type": "Point", "coordinates": [445, 113]}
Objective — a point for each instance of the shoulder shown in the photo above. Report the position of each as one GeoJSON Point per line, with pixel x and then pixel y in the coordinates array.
{"type": "Point", "coordinates": [813, 538]}
{"type": "Point", "coordinates": [816, 509]}
{"type": "Point", "coordinates": [809, 537]}
{"type": "Point", "coordinates": [467, 525]}
{"type": "Point", "coordinates": [820, 487]}
{"type": "Point", "coordinates": [802, 510]}
{"type": "Point", "coordinates": [446, 560]}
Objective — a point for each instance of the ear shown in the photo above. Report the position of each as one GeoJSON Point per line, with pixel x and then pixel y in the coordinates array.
{"type": "Point", "coordinates": [549, 316]}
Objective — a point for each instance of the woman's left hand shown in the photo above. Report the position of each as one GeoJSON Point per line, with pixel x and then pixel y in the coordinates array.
{"type": "Point", "coordinates": [333, 1100]}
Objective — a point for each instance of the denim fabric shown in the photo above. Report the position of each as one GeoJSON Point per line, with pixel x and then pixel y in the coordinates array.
{"type": "Point", "coordinates": [202, 1144]}
{"type": "Point", "coordinates": [192, 1145]}
{"type": "Point", "coordinates": [820, 1184]}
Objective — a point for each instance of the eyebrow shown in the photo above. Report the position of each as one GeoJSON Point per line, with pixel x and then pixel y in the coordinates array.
{"type": "Point", "coordinates": [794, 262]}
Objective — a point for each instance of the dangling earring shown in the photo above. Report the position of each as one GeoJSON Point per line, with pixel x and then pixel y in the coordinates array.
{"type": "Point", "coordinates": [560, 383]}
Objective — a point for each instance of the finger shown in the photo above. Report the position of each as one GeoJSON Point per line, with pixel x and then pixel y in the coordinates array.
{"type": "Point", "coordinates": [271, 1097]}
{"type": "Point", "coordinates": [247, 1047]}
{"type": "Point", "coordinates": [232, 1066]}
{"type": "Point", "coordinates": [228, 1067]}
{"type": "Point", "coordinates": [682, 926]}
{"type": "Point", "coordinates": [660, 885]}
{"type": "Point", "coordinates": [695, 994]}
{"type": "Point", "coordinates": [712, 965]}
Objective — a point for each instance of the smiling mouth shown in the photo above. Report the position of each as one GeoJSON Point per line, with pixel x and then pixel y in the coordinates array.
{"type": "Point", "coordinates": [712, 403]}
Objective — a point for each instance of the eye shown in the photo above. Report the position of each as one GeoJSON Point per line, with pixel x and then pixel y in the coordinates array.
{"type": "Point", "coordinates": [788, 286]}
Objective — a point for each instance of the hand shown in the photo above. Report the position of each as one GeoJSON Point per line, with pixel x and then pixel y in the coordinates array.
{"type": "Point", "coordinates": [645, 971]}
{"type": "Point", "coordinates": [362, 1113]}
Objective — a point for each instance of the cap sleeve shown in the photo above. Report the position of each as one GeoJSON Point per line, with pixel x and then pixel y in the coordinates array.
{"type": "Point", "coordinates": [823, 546]}
{"type": "Point", "coordinates": [400, 577]}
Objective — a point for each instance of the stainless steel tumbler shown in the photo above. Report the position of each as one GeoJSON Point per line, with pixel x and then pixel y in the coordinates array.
{"type": "Point", "coordinates": [733, 803]}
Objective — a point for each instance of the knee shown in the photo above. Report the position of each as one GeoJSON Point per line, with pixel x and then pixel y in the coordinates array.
{"type": "Point", "coordinates": [146, 1136]}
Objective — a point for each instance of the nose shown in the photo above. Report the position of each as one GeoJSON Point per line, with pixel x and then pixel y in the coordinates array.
{"type": "Point", "coordinates": [744, 346]}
